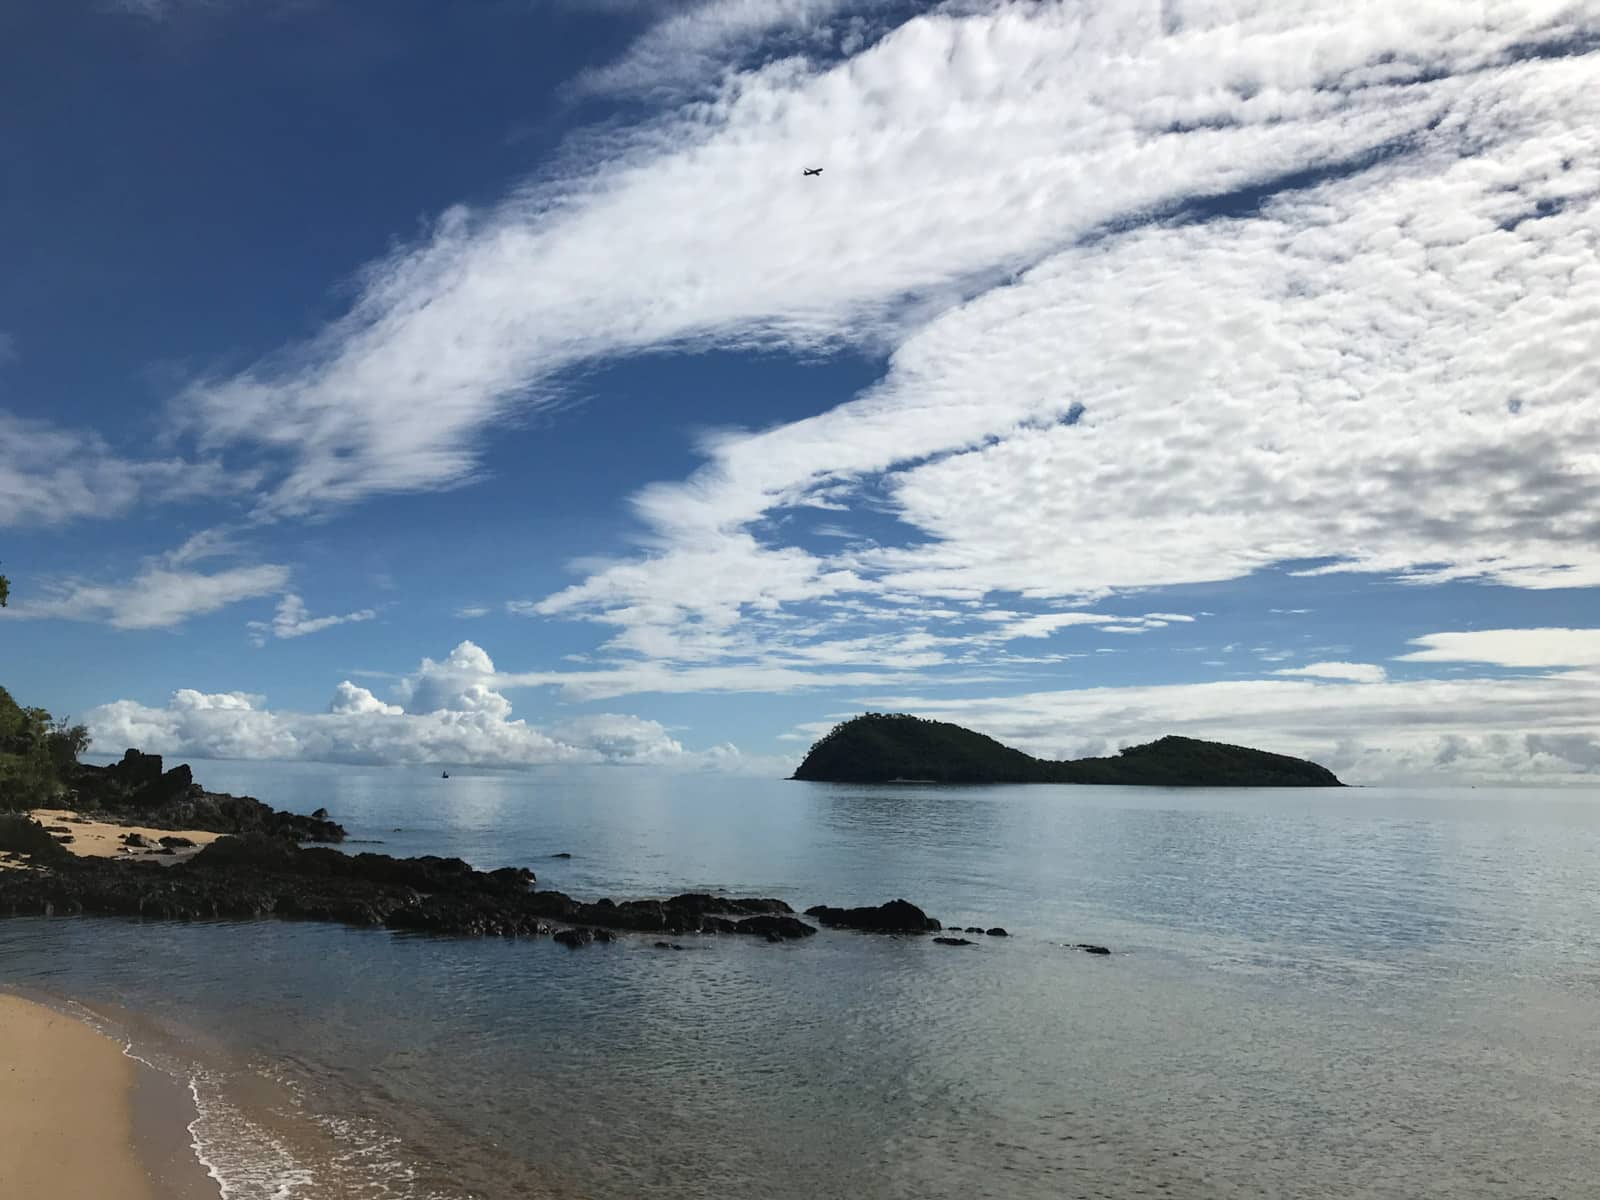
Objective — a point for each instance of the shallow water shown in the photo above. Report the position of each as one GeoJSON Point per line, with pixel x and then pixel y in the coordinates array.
{"type": "Point", "coordinates": [1314, 994]}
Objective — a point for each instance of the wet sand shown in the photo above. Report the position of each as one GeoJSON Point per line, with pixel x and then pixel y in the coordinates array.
{"type": "Point", "coordinates": [66, 1110]}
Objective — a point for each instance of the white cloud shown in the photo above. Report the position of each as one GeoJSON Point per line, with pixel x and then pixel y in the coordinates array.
{"type": "Point", "coordinates": [156, 598]}
{"type": "Point", "coordinates": [619, 737]}
{"type": "Point", "coordinates": [1387, 370]}
{"type": "Point", "coordinates": [471, 612]}
{"type": "Point", "coordinates": [350, 698]}
{"type": "Point", "coordinates": [1510, 648]}
{"type": "Point", "coordinates": [692, 49]}
{"type": "Point", "coordinates": [198, 547]}
{"type": "Point", "coordinates": [8, 347]}
{"type": "Point", "coordinates": [960, 149]}
{"type": "Point", "coordinates": [1095, 384]}
{"type": "Point", "coordinates": [164, 592]}
{"type": "Point", "coordinates": [663, 646]}
{"type": "Point", "coordinates": [50, 476]}
{"type": "Point", "coordinates": [461, 683]}
{"type": "Point", "coordinates": [1348, 671]}
{"type": "Point", "coordinates": [292, 621]}
{"type": "Point", "coordinates": [452, 716]}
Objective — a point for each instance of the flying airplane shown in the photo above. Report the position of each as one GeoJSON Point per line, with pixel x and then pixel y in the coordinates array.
{"type": "Point", "coordinates": [811, 171]}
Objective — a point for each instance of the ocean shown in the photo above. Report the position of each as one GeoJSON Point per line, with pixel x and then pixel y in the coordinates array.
{"type": "Point", "coordinates": [1319, 993]}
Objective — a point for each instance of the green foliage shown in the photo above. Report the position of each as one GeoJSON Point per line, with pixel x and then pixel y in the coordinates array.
{"type": "Point", "coordinates": [883, 747]}
{"type": "Point", "coordinates": [1191, 762]}
{"type": "Point", "coordinates": [37, 754]}
{"type": "Point", "coordinates": [64, 743]}
{"type": "Point", "coordinates": [5, 590]}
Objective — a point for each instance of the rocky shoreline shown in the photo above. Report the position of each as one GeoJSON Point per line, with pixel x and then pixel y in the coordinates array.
{"type": "Point", "coordinates": [137, 791]}
{"type": "Point", "coordinates": [254, 877]}
{"type": "Point", "coordinates": [259, 869]}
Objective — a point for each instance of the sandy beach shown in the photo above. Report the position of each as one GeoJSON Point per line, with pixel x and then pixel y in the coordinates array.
{"type": "Point", "coordinates": [66, 1111]}
{"type": "Point", "coordinates": [103, 839]}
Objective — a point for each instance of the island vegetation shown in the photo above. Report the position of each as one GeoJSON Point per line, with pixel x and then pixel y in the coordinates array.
{"type": "Point", "coordinates": [891, 747]}
{"type": "Point", "coordinates": [38, 754]}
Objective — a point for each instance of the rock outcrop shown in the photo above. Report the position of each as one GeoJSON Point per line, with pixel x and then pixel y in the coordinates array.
{"type": "Point", "coordinates": [138, 791]}
{"type": "Point", "coordinates": [258, 876]}
{"type": "Point", "coordinates": [897, 916]}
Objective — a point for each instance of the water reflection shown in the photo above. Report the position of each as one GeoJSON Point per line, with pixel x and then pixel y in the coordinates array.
{"type": "Point", "coordinates": [1354, 995]}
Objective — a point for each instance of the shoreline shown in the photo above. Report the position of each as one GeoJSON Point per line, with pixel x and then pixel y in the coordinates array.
{"type": "Point", "coordinates": [81, 1118]}
{"type": "Point", "coordinates": [165, 1113]}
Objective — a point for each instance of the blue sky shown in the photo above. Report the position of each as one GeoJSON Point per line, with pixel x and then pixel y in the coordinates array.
{"type": "Point", "coordinates": [483, 384]}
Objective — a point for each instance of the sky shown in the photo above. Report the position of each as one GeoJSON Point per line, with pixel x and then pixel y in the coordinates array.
{"type": "Point", "coordinates": [484, 384]}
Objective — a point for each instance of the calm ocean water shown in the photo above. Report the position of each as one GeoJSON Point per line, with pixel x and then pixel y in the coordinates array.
{"type": "Point", "coordinates": [1355, 993]}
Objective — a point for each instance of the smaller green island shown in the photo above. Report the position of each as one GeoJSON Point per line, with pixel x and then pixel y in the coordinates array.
{"type": "Point", "coordinates": [898, 748]}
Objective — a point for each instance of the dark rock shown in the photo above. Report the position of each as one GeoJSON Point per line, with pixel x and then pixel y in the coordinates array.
{"type": "Point", "coordinates": [171, 786]}
{"type": "Point", "coordinates": [137, 791]}
{"type": "Point", "coordinates": [700, 903]}
{"type": "Point", "coordinates": [164, 850]}
{"type": "Point", "coordinates": [668, 946]}
{"type": "Point", "coordinates": [512, 880]}
{"type": "Point", "coordinates": [56, 829]}
{"type": "Point", "coordinates": [320, 815]}
{"type": "Point", "coordinates": [563, 854]}
{"type": "Point", "coordinates": [137, 769]}
{"type": "Point", "coordinates": [950, 941]}
{"type": "Point", "coordinates": [134, 839]}
{"type": "Point", "coordinates": [775, 928]}
{"type": "Point", "coordinates": [688, 913]}
{"type": "Point", "coordinates": [573, 938]}
{"type": "Point", "coordinates": [64, 838]}
{"type": "Point", "coordinates": [1089, 949]}
{"type": "Point", "coordinates": [259, 875]}
{"type": "Point", "coordinates": [897, 916]}
{"type": "Point", "coordinates": [997, 932]}
{"type": "Point", "coordinates": [173, 842]}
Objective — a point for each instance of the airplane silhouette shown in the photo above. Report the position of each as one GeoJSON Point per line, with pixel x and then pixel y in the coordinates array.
{"type": "Point", "coordinates": [811, 171]}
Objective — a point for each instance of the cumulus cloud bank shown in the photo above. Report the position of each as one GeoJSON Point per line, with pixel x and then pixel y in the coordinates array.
{"type": "Point", "coordinates": [452, 715]}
